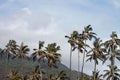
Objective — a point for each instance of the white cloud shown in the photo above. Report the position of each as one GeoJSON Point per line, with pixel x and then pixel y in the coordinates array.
{"type": "Point", "coordinates": [39, 20]}
{"type": "Point", "coordinates": [24, 25]}
{"type": "Point", "coordinates": [116, 3]}
{"type": "Point", "coordinates": [25, 20]}
{"type": "Point", "coordinates": [14, 21]}
{"type": "Point", "coordinates": [22, 13]}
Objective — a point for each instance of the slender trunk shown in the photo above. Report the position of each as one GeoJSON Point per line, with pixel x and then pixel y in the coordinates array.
{"type": "Point", "coordinates": [40, 72]}
{"type": "Point", "coordinates": [83, 61]}
{"type": "Point", "coordinates": [47, 72]}
{"type": "Point", "coordinates": [94, 75]}
{"type": "Point", "coordinates": [7, 61]}
{"type": "Point", "coordinates": [78, 65]}
{"type": "Point", "coordinates": [112, 65]}
{"type": "Point", "coordinates": [70, 62]}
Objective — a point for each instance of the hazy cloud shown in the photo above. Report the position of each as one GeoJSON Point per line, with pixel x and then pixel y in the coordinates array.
{"type": "Point", "coordinates": [116, 3]}
{"type": "Point", "coordinates": [24, 25]}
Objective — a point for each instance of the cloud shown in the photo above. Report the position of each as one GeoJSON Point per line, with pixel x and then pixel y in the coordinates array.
{"type": "Point", "coordinates": [39, 20]}
{"type": "Point", "coordinates": [14, 21]}
{"type": "Point", "coordinates": [25, 19]}
{"type": "Point", "coordinates": [116, 3]}
{"type": "Point", "coordinates": [28, 26]}
{"type": "Point", "coordinates": [5, 3]}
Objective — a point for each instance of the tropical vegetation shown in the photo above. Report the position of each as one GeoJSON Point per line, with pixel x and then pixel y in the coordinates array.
{"type": "Point", "coordinates": [89, 47]}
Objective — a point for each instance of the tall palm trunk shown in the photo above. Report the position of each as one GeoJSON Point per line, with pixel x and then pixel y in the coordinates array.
{"type": "Point", "coordinates": [94, 75]}
{"type": "Point", "coordinates": [78, 65]}
{"type": "Point", "coordinates": [7, 62]}
{"type": "Point", "coordinates": [83, 61]}
{"type": "Point", "coordinates": [40, 72]}
{"type": "Point", "coordinates": [112, 65]}
{"type": "Point", "coordinates": [70, 62]}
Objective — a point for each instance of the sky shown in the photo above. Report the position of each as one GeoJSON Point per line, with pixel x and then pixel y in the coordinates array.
{"type": "Point", "coordinates": [29, 21]}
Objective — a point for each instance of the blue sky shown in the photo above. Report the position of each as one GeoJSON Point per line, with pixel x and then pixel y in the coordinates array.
{"type": "Point", "coordinates": [50, 20]}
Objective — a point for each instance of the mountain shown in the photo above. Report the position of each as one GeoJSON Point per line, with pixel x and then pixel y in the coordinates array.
{"type": "Point", "coordinates": [26, 67]}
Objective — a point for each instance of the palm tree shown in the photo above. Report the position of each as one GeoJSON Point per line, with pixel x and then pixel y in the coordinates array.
{"type": "Point", "coordinates": [113, 50]}
{"type": "Point", "coordinates": [10, 48]}
{"type": "Point", "coordinates": [62, 76]}
{"type": "Point", "coordinates": [112, 73]}
{"type": "Point", "coordinates": [52, 55]}
{"type": "Point", "coordinates": [97, 53]}
{"type": "Point", "coordinates": [25, 77]}
{"type": "Point", "coordinates": [14, 75]}
{"type": "Point", "coordinates": [97, 76]}
{"type": "Point", "coordinates": [86, 34]}
{"type": "Point", "coordinates": [40, 53]}
{"type": "Point", "coordinates": [71, 40]}
{"type": "Point", "coordinates": [81, 47]}
{"type": "Point", "coordinates": [112, 47]}
{"type": "Point", "coordinates": [22, 51]}
{"type": "Point", "coordinates": [50, 77]}
{"type": "Point", "coordinates": [36, 75]}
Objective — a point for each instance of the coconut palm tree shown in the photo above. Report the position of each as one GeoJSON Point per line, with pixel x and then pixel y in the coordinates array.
{"type": "Point", "coordinates": [22, 51]}
{"type": "Point", "coordinates": [81, 47]}
{"type": "Point", "coordinates": [52, 55]}
{"type": "Point", "coordinates": [97, 76]}
{"type": "Point", "coordinates": [62, 76]}
{"type": "Point", "coordinates": [71, 41]}
{"type": "Point", "coordinates": [112, 73]}
{"type": "Point", "coordinates": [10, 48]}
{"type": "Point", "coordinates": [38, 51]}
{"type": "Point", "coordinates": [36, 75]}
{"type": "Point", "coordinates": [86, 34]}
{"type": "Point", "coordinates": [40, 54]}
{"type": "Point", "coordinates": [112, 47]}
{"type": "Point", "coordinates": [25, 77]}
{"type": "Point", "coordinates": [50, 77]}
{"type": "Point", "coordinates": [97, 53]}
{"type": "Point", "coordinates": [14, 75]}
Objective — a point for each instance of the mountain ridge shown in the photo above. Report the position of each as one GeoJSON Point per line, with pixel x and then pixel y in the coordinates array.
{"type": "Point", "coordinates": [26, 66]}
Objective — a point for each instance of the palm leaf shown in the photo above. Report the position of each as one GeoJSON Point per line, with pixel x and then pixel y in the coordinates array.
{"type": "Point", "coordinates": [90, 58]}
{"type": "Point", "coordinates": [118, 58]}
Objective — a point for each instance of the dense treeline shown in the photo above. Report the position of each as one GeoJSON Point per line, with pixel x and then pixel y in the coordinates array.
{"type": "Point", "coordinates": [99, 51]}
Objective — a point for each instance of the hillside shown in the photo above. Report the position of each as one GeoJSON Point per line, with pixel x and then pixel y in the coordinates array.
{"type": "Point", "coordinates": [25, 67]}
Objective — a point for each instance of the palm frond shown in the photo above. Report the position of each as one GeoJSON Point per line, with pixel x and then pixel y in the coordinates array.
{"type": "Point", "coordinates": [118, 58]}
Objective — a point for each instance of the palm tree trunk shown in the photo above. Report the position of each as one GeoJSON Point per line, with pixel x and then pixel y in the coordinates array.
{"type": "Point", "coordinates": [7, 62]}
{"type": "Point", "coordinates": [94, 75]}
{"type": "Point", "coordinates": [40, 72]}
{"type": "Point", "coordinates": [78, 65]}
{"type": "Point", "coordinates": [112, 64]}
{"type": "Point", "coordinates": [83, 62]}
{"type": "Point", "coordinates": [70, 62]}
